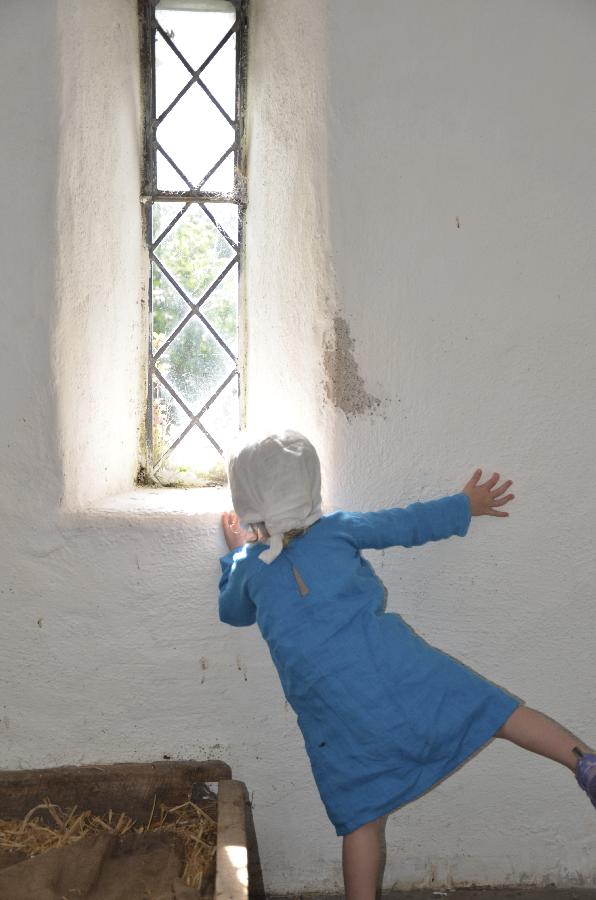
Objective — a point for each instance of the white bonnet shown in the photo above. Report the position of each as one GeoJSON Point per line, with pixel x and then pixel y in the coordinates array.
{"type": "Point", "coordinates": [276, 480]}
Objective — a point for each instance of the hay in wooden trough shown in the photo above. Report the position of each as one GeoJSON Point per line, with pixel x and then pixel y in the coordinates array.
{"type": "Point", "coordinates": [47, 827]}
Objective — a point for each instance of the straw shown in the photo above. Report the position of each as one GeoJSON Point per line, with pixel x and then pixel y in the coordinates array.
{"type": "Point", "coordinates": [187, 821]}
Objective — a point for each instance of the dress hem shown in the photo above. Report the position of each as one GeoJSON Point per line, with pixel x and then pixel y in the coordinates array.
{"type": "Point", "coordinates": [386, 809]}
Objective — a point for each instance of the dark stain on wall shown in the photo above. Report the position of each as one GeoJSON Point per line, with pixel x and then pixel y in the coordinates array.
{"type": "Point", "coordinates": [344, 385]}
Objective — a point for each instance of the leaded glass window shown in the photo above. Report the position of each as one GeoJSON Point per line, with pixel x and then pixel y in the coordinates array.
{"type": "Point", "coordinates": [194, 56]}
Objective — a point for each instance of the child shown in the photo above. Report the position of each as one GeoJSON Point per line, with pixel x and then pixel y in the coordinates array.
{"type": "Point", "coordinates": [384, 715]}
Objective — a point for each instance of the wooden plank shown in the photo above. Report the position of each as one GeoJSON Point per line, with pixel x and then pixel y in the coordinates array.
{"type": "Point", "coordinates": [256, 886]}
{"type": "Point", "coordinates": [127, 787]}
{"type": "Point", "coordinates": [231, 879]}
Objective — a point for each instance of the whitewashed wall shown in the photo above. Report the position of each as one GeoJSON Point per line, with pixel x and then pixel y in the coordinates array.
{"type": "Point", "coordinates": [421, 232]}
{"type": "Point", "coordinates": [462, 227]}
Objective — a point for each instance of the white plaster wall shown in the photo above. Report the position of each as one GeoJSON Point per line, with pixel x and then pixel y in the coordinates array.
{"type": "Point", "coordinates": [290, 286]}
{"type": "Point", "coordinates": [100, 335]}
{"type": "Point", "coordinates": [457, 139]}
{"type": "Point", "coordinates": [110, 646]}
{"type": "Point", "coordinates": [461, 176]}
{"type": "Point", "coordinates": [28, 159]}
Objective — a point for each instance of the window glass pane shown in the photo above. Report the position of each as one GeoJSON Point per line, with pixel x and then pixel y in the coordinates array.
{"type": "Point", "coordinates": [195, 34]}
{"type": "Point", "coordinates": [167, 176]}
{"type": "Point", "coordinates": [194, 250]}
{"type": "Point", "coordinates": [221, 419]}
{"type": "Point", "coordinates": [171, 75]}
{"type": "Point", "coordinates": [169, 420]}
{"type": "Point", "coordinates": [169, 308]}
{"type": "Point", "coordinates": [193, 461]}
{"type": "Point", "coordinates": [195, 135]}
{"type": "Point", "coordinates": [226, 216]}
{"type": "Point", "coordinates": [220, 310]}
{"type": "Point", "coordinates": [195, 365]}
{"type": "Point", "coordinates": [219, 77]}
{"type": "Point", "coordinates": [163, 214]}
{"type": "Point", "coordinates": [223, 178]}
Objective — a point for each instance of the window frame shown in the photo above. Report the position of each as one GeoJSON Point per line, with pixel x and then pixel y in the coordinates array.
{"type": "Point", "coordinates": [151, 194]}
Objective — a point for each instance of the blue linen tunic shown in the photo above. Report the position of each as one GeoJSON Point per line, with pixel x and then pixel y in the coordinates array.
{"type": "Point", "coordinates": [384, 715]}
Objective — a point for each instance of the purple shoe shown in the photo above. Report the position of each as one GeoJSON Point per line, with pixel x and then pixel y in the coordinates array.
{"type": "Point", "coordinates": [585, 772]}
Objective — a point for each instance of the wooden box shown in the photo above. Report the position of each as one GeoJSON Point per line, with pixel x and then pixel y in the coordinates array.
{"type": "Point", "coordinates": [138, 788]}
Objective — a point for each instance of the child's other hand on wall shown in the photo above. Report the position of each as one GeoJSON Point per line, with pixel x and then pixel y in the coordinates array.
{"type": "Point", "coordinates": [234, 535]}
{"type": "Point", "coordinates": [485, 498]}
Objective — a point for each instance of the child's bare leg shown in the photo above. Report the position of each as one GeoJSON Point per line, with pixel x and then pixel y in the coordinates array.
{"type": "Point", "coordinates": [361, 854]}
{"type": "Point", "coordinates": [534, 731]}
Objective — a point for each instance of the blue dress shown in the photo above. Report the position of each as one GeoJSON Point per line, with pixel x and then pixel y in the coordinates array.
{"type": "Point", "coordinates": [384, 715]}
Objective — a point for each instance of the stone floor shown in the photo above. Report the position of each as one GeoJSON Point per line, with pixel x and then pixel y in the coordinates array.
{"type": "Point", "coordinates": [467, 894]}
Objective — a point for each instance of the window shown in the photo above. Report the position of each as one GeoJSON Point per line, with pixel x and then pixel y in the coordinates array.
{"type": "Point", "coordinates": [194, 190]}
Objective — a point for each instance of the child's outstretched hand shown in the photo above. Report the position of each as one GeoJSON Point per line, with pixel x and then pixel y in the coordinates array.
{"type": "Point", "coordinates": [235, 535]}
{"type": "Point", "coordinates": [485, 498]}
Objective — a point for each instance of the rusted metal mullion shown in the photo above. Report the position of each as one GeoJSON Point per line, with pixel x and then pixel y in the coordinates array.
{"type": "Point", "coordinates": [241, 323]}
{"type": "Point", "coordinates": [240, 189]}
{"type": "Point", "coordinates": [147, 46]}
{"type": "Point", "coordinates": [194, 196]}
{"type": "Point", "coordinates": [148, 86]}
{"type": "Point", "coordinates": [148, 437]}
{"type": "Point", "coordinates": [240, 111]}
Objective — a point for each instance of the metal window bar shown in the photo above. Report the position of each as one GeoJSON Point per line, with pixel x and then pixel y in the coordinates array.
{"type": "Point", "coordinates": [194, 195]}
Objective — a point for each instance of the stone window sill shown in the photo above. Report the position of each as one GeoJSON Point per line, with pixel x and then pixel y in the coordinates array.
{"type": "Point", "coordinates": [147, 502]}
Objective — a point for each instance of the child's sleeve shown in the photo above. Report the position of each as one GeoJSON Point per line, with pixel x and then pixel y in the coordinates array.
{"type": "Point", "coordinates": [235, 605]}
{"type": "Point", "coordinates": [411, 526]}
